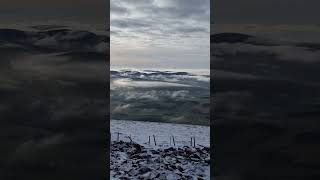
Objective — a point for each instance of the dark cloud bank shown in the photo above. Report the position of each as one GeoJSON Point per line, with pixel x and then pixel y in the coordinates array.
{"type": "Point", "coordinates": [265, 106]}
{"type": "Point", "coordinates": [265, 75]}
{"type": "Point", "coordinates": [54, 106]}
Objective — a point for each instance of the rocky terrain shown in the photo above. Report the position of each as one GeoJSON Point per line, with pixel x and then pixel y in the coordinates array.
{"type": "Point", "coordinates": [130, 160]}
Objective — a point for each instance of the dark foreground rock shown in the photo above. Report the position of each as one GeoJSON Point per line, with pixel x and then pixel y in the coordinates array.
{"type": "Point", "coordinates": [133, 161]}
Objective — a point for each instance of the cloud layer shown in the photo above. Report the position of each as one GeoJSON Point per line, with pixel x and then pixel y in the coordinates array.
{"type": "Point", "coordinates": [166, 32]}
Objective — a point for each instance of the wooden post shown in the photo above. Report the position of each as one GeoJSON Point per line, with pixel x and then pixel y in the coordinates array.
{"type": "Point", "coordinates": [154, 139]}
{"type": "Point", "coordinates": [191, 141]}
{"type": "Point", "coordinates": [170, 140]}
{"type": "Point", "coordinates": [130, 138]}
{"type": "Point", "coordinates": [194, 141]}
{"type": "Point", "coordinates": [118, 136]}
{"type": "Point", "coordinates": [149, 140]}
{"type": "Point", "coordinates": [174, 143]}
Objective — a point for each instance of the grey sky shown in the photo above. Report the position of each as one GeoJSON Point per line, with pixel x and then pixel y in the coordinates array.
{"type": "Point", "coordinates": [266, 11]}
{"type": "Point", "coordinates": [77, 11]}
{"type": "Point", "coordinates": [293, 20]}
{"type": "Point", "coordinates": [160, 33]}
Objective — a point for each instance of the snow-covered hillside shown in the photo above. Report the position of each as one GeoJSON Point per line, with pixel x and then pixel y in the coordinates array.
{"type": "Point", "coordinates": [140, 132]}
{"type": "Point", "coordinates": [132, 157]}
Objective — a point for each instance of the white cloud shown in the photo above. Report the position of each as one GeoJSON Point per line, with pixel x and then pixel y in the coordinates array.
{"type": "Point", "coordinates": [128, 83]}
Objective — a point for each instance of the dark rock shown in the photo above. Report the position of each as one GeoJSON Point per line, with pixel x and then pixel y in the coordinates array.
{"type": "Point", "coordinates": [195, 156]}
{"type": "Point", "coordinates": [180, 168]}
{"type": "Point", "coordinates": [154, 151]}
{"type": "Point", "coordinates": [169, 149]}
{"type": "Point", "coordinates": [144, 170]}
{"type": "Point", "coordinates": [159, 164]}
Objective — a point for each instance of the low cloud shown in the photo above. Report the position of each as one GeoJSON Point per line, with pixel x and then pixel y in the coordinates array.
{"type": "Point", "coordinates": [282, 52]}
{"type": "Point", "coordinates": [128, 83]}
{"type": "Point", "coordinates": [153, 95]}
{"type": "Point", "coordinates": [121, 108]}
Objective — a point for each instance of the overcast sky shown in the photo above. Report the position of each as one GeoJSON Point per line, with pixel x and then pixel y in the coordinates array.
{"type": "Point", "coordinates": [90, 12]}
{"type": "Point", "coordinates": [294, 20]}
{"type": "Point", "coordinates": [266, 11]}
{"type": "Point", "coordinates": [160, 33]}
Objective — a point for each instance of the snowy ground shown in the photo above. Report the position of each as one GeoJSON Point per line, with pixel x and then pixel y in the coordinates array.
{"type": "Point", "coordinates": [140, 132]}
{"type": "Point", "coordinates": [137, 159]}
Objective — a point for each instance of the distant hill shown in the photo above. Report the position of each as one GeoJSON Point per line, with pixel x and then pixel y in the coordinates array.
{"type": "Point", "coordinates": [62, 39]}
{"type": "Point", "coordinates": [229, 38]}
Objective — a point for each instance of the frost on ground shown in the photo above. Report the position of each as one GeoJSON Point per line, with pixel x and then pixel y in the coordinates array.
{"type": "Point", "coordinates": [133, 156]}
{"type": "Point", "coordinates": [139, 132]}
{"type": "Point", "coordinates": [130, 160]}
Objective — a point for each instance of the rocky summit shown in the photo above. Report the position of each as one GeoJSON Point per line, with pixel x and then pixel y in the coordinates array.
{"type": "Point", "coordinates": [130, 160]}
